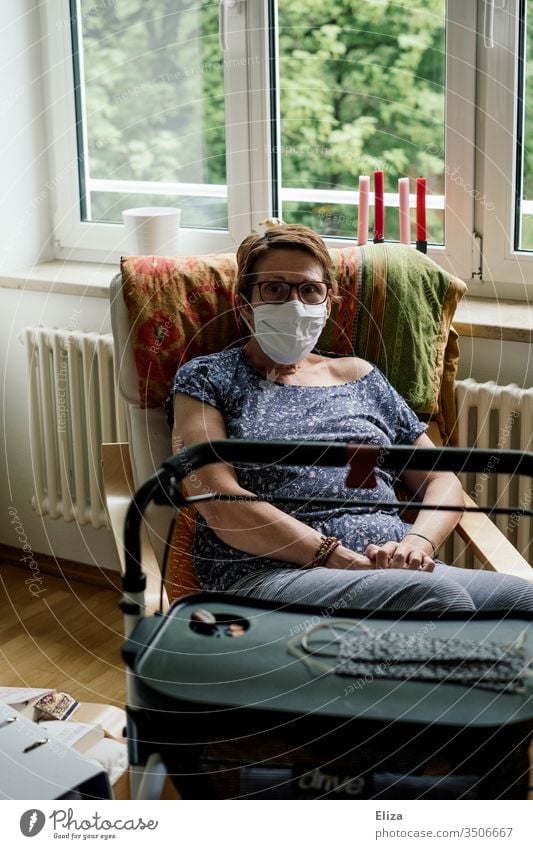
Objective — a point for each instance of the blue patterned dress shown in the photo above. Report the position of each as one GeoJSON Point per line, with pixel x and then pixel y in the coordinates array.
{"type": "Point", "coordinates": [367, 410]}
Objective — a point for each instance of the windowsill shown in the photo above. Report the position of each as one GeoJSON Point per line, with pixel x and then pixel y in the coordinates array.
{"type": "Point", "coordinates": [483, 318]}
{"type": "Point", "coordinates": [475, 317]}
{"type": "Point", "coordinates": [62, 278]}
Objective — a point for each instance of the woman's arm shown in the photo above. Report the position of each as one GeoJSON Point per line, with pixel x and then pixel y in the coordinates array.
{"type": "Point", "coordinates": [431, 528]}
{"type": "Point", "coordinates": [258, 528]}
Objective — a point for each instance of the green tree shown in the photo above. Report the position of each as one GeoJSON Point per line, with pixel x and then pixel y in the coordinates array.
{"type": "Point", "coordinates": [154, 92]}
{"type": "Point", "coordinates": [361, 88]}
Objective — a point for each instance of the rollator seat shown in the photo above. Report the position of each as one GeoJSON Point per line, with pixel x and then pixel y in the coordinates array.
{"type": "Point", "coordinates": [234, 713]}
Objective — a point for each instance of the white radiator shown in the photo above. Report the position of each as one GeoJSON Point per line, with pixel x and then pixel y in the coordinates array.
{"type": "Point", "coordinates": [73, 409]}
{"type": "Point", "coordinates": [493, 416]}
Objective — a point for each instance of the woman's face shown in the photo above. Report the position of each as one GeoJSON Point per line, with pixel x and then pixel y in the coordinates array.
{"type": "Point", "coordinates": [290, 266]}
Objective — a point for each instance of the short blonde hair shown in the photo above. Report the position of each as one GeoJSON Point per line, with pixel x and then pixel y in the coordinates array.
{"type": "Point", "coordinates": [282, 237]}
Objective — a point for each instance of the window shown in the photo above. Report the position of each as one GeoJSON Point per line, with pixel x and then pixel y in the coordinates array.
{"type": "Point", "coordinates": [281, 110]}
{"type": "Point", "coordinates": [362, 88]}
{"type": "Point", "coordinates": [150, 99]}
{"type": "Point", "coordinates": [503, 161]}
{"type": "Point", "coordinates": [146, 108]}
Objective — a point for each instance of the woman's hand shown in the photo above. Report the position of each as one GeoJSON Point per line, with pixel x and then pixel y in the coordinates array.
{"type": "Point", "coordinates": [345, 558]}
{"type": "Point", "coordinates": [431, 528]}
{"type": "Point", "coordinates": [410, 553]}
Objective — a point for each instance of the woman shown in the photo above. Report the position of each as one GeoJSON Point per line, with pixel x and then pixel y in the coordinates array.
{"type": "Point", "coordinates": [277, 387]}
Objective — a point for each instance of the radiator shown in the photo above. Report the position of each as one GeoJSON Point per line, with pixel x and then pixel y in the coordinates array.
{"type": "Point", "coordinates": [73, 409]}
{"type": "Point", "coordinates": [493, 416]}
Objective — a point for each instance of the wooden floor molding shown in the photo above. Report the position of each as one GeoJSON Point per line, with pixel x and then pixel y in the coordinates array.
{"type": "Point", "coordinates": [72, 570]}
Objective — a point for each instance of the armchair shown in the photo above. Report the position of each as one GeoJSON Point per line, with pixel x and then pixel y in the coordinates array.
{"type": "Point", "coordinates": [396, 310]}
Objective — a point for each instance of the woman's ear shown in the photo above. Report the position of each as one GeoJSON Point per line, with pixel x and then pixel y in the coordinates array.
{"type": "Point", "coordinates": [243, 309]}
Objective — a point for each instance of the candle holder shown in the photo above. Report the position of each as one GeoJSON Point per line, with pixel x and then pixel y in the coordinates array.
{"type": "Point", "coordinates": [422, 245]}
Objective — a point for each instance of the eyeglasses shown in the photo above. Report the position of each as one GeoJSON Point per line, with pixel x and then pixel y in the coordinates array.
{"type": "Point", "coordinates": [279, 291]}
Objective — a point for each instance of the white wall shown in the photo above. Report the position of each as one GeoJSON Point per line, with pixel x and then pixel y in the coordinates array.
{"type": "Point", "coordinates": [503, 362]}
{"type": "Point", "coordinates": [69, 540]}
{"type": "Point", "coordinates": [25, 222]}
{"type": "Point", "coordinates": [25, 231]}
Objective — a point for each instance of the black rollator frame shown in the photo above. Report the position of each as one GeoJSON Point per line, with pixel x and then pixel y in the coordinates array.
{"type": "Point", "coordinates": [193, 689]}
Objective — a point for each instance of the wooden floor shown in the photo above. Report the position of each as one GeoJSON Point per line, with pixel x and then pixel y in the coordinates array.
{"type": "Point", "coordinates": [68, 638]}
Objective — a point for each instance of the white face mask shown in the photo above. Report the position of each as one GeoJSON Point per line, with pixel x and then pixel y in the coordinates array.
{"type": "Point", "coordinates": [288, 332]}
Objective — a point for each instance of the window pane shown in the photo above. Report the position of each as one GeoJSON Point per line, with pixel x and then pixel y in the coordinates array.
{"type": "Point", "coordinates": [362, 88]}
{"type": "Point", "coordinates": [525, 235]}
{"type": "Point", "coordinates": [151, 100]}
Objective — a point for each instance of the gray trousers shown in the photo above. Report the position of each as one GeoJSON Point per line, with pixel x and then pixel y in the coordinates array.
{"type": "Point", "coordinates": [446, 589]}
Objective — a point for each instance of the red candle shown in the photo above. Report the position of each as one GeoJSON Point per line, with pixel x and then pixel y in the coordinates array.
{"type": "Point", "coordinates": [421, 232]}
{"type": "Point", "coordinates": [379, 207]}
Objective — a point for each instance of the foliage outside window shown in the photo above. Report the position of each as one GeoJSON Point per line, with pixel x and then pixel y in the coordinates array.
{"type": "Point", "coordinates": [154, 106]}
{"type": "Point", "coordinates": [362, 89]}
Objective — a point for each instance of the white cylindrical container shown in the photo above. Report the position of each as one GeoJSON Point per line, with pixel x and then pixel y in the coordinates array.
{"type": "Point", "coordinates": [152, 230]}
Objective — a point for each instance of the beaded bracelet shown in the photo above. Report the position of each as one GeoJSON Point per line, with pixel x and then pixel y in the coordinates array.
{"type": "Point", "coordinates": [432, 544]}
{"type": "Point", "coordinates": [326, 547]}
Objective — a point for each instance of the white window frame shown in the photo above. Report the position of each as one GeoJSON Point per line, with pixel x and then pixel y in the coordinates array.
{"type": "Point", "coordinates": [506, 273]}
{"type": "Point", "coordinates": [247, 119]}
{"type": "Point", "coordinates": [457, 255]}
{"type": "Point", "coordinates": [249, 142]}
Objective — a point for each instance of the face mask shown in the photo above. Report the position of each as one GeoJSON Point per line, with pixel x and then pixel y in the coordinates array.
{"type": "Point", "coordinates": [288, 332]}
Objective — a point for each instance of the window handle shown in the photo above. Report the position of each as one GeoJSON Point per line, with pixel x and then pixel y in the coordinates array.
{"type": "Point", "coordinates": [223, 7]}
{"type": "Point", "coordinates": [488, 20]}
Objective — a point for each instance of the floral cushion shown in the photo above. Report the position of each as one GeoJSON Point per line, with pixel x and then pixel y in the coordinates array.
{"type": "Point", "coordinates": [179, 307]}
{"type": "Point", "coordinates": [396, 310]}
